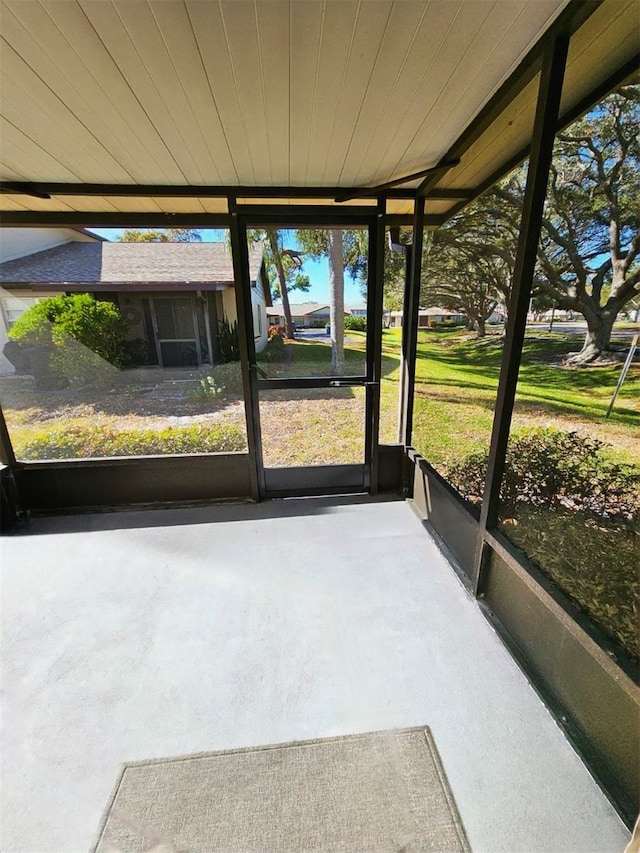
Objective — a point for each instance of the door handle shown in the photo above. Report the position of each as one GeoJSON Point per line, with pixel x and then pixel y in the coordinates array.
{"type": "Point", "coordinates": [336, 383]}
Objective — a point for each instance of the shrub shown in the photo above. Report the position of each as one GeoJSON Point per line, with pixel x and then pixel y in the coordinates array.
{"type": "Point", "coordinates": [228, 341]}
{"type": "Point", "coordinates": [82, 441]}
{"type": "Point", "coordinates": [72, 339]}
{"type": "Point", "coordinates": [274, 352]}
{"type": "Point", "coordinates": [355, 324]}
{"type": "Point", "coordinates": [276, 331]}
{"type": "Point", "coordinates": [219, 381]}
{"type": "Point", "coordinates": [550, 467]}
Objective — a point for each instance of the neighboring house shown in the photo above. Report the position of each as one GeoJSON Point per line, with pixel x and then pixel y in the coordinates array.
{"type": "Point", "coordinates": [357, 310]}
{"type": "Point", "coordinates": [427, 318]}
{"type": "Point", "coordinates": [173, 295]}
{"type": "Point", "coordinates": [309, 315]}
{"type": "Point", "coordinates": [499, 315]}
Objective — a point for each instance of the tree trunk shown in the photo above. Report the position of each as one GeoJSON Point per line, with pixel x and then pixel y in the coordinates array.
{"type": "Point", "coordinates": [598, 337]}
{"type": "Point", "coordinates": [336, 300]}
{"type": "Point", "coordinates": [481, 326]}
{"type": "Point", "coordinates": [284, 293]}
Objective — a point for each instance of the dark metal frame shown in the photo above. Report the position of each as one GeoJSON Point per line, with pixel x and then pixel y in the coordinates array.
{"type": "Point", "coordinates": [410, 326]}
{"type": "Point", "coordinates": [544, 132]}
{"type": "Point", "coordinates": [320, 479]}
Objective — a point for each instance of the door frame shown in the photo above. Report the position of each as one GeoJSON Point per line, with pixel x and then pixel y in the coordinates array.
{"type": "Point", "coordinates": [313, 479]}
{"type": "Point", "coordinates": [194, 319]}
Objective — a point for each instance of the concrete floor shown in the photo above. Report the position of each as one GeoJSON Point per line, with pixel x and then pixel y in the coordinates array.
{"type": "Point", "coordinates": [139, 635]}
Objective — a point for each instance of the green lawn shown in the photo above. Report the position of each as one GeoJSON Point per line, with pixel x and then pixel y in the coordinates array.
{"type": "Point", "coordinates": [457, 381]}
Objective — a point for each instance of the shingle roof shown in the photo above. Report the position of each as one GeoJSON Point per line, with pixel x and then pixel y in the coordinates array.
{"type": "Point", "coordinates": [129, 262]}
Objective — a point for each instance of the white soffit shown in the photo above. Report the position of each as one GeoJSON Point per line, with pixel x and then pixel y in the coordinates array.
{"type": "Point", "coordinates": [256, 93]}
{"type": "Point", "coordinates": [272, 93]}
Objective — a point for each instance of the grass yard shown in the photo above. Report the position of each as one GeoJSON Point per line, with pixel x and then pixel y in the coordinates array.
{"type": "Point", "coordinates": [457, 381]}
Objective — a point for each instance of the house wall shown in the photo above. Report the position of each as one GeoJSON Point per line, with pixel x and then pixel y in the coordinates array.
{"type": "Point", "coordinates": [259, 311]}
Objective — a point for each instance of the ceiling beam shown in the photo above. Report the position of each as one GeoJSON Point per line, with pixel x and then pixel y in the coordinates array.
{"type": "Point", "coordinates": [23, 188]}
{"type": "Point", "coordinates": [380, 189]}
{"type": "Point", "coordinates": [99, 219]}
{"type": "Point", "coordinates": [45, 190]}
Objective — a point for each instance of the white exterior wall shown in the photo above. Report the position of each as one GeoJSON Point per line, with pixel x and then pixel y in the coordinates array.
{"type": "Point", "coordinates": [259, 312]}
{"type": "Point", "coordinates": [260, 321]}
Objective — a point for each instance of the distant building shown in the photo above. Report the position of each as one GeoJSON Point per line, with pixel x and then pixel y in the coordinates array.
{"type": "Point", "coordinates": [427, 318]}
{"type": "Point", "coordinates": [310, 315]}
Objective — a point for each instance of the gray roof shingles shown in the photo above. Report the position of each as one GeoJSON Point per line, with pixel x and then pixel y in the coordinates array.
{"type": "Point", "coordinates": [129, 262]}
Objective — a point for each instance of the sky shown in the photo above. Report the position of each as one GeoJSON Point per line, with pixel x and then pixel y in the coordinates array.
{"type": "Point", "coordinates": [318, 271]}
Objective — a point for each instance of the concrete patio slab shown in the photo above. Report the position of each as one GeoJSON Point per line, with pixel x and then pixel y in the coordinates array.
{"type": "Point", "coordinates": [132, 636]}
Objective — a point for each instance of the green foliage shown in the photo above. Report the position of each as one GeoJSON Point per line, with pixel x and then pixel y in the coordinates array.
{"type": "Point", "coordinates": [282, 264]}
{"type": "Point", "coordinates": [228, 341]}
{"type": "Point", "coordinates": [595, 565]}
{"type": "Point", "coordinates": [575, 514]}
{"type": "Point", "coordinates": [136, 351]}
{"type": "Point", "coordinates": [82, 441]}
{"type": "Point", "coordinates": [355, 324]}
{"type": "Point", "coordinates": [589, 249]}
{"type": "Point", "coordinates": [355, 248]}
{"type": "Point", "coordinates": [553, 468]}
{"type": "Point", "coordinates": [222, 380]}
{"type": "Point", "coordinates": [76, 365]}
{"type": "Point", "coordinates": [80, 339]}
{"type": "Point", "coordinates": [274, 352]}
{"type": "Point", "coordinates": [162, 235]}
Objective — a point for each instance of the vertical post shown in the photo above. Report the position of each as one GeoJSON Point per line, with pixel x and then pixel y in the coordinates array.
{"type": "Point", "coordinates": [10, 504]}
{"type": "Point", "coordinates": [7, 456]}
{"type": "Point", "coordinates": [408, 265]}
{"type": "Point", "coordinates": [410, 325]}
{"type": "Point", "coordinates": [374, 321]}
{"type": "Point", "coordinates": [242, 287]}
{"type": "Point", "coordinates": [544, 130]}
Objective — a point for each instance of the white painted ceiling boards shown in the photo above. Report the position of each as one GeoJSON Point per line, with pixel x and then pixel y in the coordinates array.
{"type": "Point", "coordinates": [269, 92]}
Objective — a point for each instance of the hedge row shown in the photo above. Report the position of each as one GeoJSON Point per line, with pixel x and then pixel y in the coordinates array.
{"type": "Point", "coordinates": [80, 441]}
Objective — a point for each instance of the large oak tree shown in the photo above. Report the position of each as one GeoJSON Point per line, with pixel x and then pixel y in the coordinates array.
{"type": "Point", "coordinates": [589, 250]}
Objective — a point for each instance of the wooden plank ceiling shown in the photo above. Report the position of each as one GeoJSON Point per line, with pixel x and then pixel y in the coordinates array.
{"type": "Point", "coordinates": [269, 92]}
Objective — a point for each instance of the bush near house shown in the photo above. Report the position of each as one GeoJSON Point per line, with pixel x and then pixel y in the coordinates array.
{"type": "Point", "coordinates": [355, 324]}
{"type": "Point", "coordinates": [275, 350]}
{"type": "Point", "coordinates": [228, 341]}
{"type": "Point", "coordinates": [72, 340]}
{"type": "Point", "coordinates": [221, 380]}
